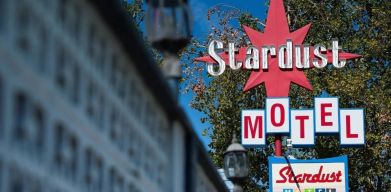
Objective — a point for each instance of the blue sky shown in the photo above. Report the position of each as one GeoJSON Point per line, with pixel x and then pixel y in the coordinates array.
{"type": "Point", "coordinates": [201, 28]}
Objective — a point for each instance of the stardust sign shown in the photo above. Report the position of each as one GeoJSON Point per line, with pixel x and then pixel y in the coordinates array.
{"type": "Point", "coordinates": [277, 58]}
{"type": "Point", "coordinates": [318, 175]}
{"type": "Point", "coordinates": [285, 56]}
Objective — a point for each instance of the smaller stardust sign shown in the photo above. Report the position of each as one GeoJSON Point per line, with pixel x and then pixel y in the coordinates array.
{"type": "Point", "coordinates": [317, 175]}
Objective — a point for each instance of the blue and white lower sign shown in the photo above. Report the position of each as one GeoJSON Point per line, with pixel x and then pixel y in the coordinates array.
{"type": "Point", "coordinates": [316, 175]}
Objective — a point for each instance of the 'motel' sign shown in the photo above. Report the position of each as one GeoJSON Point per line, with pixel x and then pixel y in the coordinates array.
{"type": "Point", "coordinates": [302, 124]}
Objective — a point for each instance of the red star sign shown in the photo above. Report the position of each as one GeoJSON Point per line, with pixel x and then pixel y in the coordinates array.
{"type": "Point", "coordinates": [277, 81]}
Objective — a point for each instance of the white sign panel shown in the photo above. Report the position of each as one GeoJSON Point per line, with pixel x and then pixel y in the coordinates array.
{"type": "Point", "coordinates": [352, 127]}
{"type": "Point", "coordinates": [318, 175]}
{"type": "Point", "coordinates": [302, 128]}
{"type": "Point", "coordinates": [253, 128]}
{"type": "Point", "coordinates": [277, 110]}
{"type": "Point", "coordinates": [326, 115]}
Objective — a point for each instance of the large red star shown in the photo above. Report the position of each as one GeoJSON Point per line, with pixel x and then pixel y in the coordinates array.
{"type": "Point", "coordinates": [277, 81]}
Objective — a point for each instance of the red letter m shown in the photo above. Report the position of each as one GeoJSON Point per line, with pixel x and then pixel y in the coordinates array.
{"type": "Point", "coordinates": [253, 127]}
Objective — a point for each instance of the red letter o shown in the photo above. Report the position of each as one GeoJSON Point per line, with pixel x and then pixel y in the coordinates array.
{"type": "Point", "coordinates": [273, 116]}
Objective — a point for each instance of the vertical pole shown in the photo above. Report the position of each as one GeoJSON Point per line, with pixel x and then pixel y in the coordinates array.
{"type": "Point", "coordinates": [277, 146]}
{"type": "Point", "coordinates": [172, 71]}
{"type": "Point", "coordinates": [277, 138]}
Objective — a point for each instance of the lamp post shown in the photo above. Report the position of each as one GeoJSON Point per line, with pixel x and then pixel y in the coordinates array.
{"type": "Point", "coordinates": [236, 164]}
{"type": "Point", "coordinates": [168, 26]}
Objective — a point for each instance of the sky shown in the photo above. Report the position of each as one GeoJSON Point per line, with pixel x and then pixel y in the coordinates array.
{"type": "Point", "coordinates": [201, 28]}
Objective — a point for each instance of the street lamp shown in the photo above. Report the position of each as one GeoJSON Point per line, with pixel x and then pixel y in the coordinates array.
{"type": "Point", "coordinates": [236, 164]}
{"type": "Point", "coordinates": [168, 26]}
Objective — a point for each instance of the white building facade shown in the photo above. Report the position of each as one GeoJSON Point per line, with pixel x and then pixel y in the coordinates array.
{"type": "Point", "coordinates": [83, 107]}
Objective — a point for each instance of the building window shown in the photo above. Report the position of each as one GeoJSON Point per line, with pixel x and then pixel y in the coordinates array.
{"type": "Point", "coordinates": [77, 21]}
{"type": "Point", "coordinates": [2, 15]}
{"type": "Point", "coordinates": [114, 132]}
{"type": "Point", "coordinates": [135, 143]}
{"type": "Point", "coordinates": [23, 41]}
{"type": "Point", "coordinates": [59, 135]}
{"type": "Point", "coordinates": [112, 179]}
{"type": "Point", "coordinates": [116, 182]}
{"type": "Point", "coordinates": [43, 48]}
{"type": "Point", "coordinates": [67, 75]}
{"type": "Point", "coordinates": [147, 117]}
{"type": "Point", "coordinates": [19, 181]}
{"type": "Point", "coordinates": [122, 136]}
{"type": "Point", "coordinates": [131, 187]}
{"type": "Point", "coordinates": [2, 107]}
{"type": "Point", "coordinates": [60, 72]}
{"type": "Point", "coordinates": [1, 172]}
{"type": "Point", "coordinates": [20, 110]}
{"type": "Point", "coordinates": [46, 3]}
{"type": "Point", "coordinates": [99, 170]}
{"type": "Point", "coordinates": [91, 42]}
{"type": "Point", "coordinates": [101, 112]}
{"type": "Point", "coordinates": [76, 84]}
{"type": "Point", "coordinates": [94, 105]}
{"type": "Point", "coordinates": [130, 142]}
{"type": "Point", "coordinates": [142, 110]}
{"type": "Point", "coordinates": [74, 157]}
{"type": "Point", "coordinates": [93, 172]}
{"type": "Point", "coordinates": [138, 100]}
{"type": "Point", "coordinates": [114, 71]}
{"type": "Point", "coordinates": [117, 130]}
{"type": "Point", "coordinates": [122, 84]}
{"type": "Point", "coordinates": [101, 62]}
{"type": "Point", "coordinates": [131, 97]}
{"type": "Point", "coordinates": [88, 166]}
{"type": "Point", "coordinates": [139, 151]}
{"type": "Point", "coordinates": [146, 160]}
{"type": "Point", "coordinates": [62, 11]}
{"type": "Point", "coordinates": [16, 184]}
{"type": "Point", "coordinates": [120, 186]}
{"type": "Point", "coordinates": [160, 174]}
{"type": "Point", "coordinates": [39, 130]}
{"type": "Point", "coordinates": [65, 155]}
{"type": "Point", "coordinates": [91, 101]}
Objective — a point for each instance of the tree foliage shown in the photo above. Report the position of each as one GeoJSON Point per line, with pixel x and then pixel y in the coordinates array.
{"type": "Point", "coordinates": [135, 11]}
{"type": "Point", "coordinates": [362, 27]}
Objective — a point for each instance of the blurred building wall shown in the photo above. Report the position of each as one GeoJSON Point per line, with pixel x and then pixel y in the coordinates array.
{"type": "Point", "coordinates": [77, 112]}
